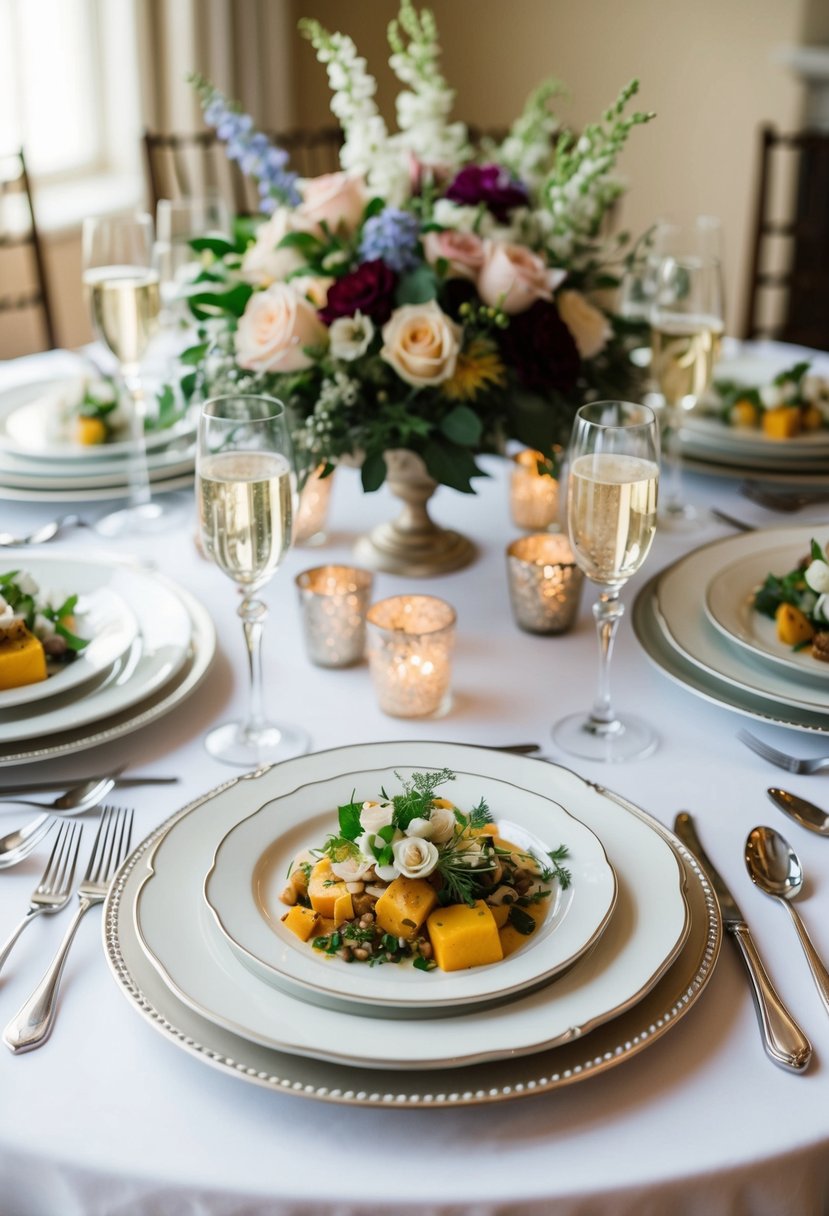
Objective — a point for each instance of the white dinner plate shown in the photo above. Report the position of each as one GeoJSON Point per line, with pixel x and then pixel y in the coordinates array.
{"type": "Point", "coordinates": [161, 466]}
{"type": "Point", "coordinates": [633, 1029]}
{"type": "Point", "coordinates": [680, 597]}
{"type": "Point", "coordinates": [716, 436]}
{"type": "Point", "coordinates": [30, 424]}
{"type": "Point", "coordinates": [102, 615]}
{"type": "Point", "coordinates": [179, 933]}
{"type": "Point", "coordinates": [248, 872]}
{"type": "Point", "coordinates": [162, 701]}
{"type": "Point", "coordinates": [729, 602]}
{"type": "Point", "coordinates": [795, 477]}
{"type": "Point", "coordinates": [154, 657]}
{"type": "Point", "coordinates": [164, 485]}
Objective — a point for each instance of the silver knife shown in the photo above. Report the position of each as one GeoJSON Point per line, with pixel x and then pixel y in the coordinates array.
{"type": "Point", "coordinates": [783, 1039]}
{"type": "Point", "coordinates": [38, 787]}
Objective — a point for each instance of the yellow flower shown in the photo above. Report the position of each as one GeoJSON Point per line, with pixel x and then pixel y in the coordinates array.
{"type": "Point", "coordinates": [478, 367]}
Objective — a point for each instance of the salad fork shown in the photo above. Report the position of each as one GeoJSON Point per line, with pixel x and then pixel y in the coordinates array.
{"type": "Point", "coordinates": [55, 887]}
{"type": "Point", "coordinates": [792, 764]}
{"type": "Point", "coordinates": [32, 1024]}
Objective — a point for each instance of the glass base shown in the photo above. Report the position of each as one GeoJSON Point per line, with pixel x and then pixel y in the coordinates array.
{"type": "Point", "coordinates": [679, 516]}
{"type": "Point", "coordinates": [233, 744]}
{"type": "Point", "coordinates": [626, 738]}
{"type": "Point", "coordinates": [148, 519]}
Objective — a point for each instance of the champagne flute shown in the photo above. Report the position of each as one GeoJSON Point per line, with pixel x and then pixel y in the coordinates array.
{"type": "Point", "coordinates": [122, 287]}
{"type": "Point", "coordinates": [611, 520]}
{"type": "Point", "coordinates": [244, 492]}
{"type": "Point", "coordinates": [686, 336]}
{"type": "Point", "coordinates": [178, 221]}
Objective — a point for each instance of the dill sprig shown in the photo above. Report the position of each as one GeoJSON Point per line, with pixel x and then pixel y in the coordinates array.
{"type": "Point", "coordinates": [556, 870]}
{"type": "Point", "coordinates": [416, 800]}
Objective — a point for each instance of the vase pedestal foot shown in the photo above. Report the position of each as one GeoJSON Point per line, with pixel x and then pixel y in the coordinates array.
{"type": "Point", "coordinates": [415, 554]}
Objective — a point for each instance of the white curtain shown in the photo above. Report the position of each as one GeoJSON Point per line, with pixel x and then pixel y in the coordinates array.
{"type": "Point", "coordinates": [242, 46]}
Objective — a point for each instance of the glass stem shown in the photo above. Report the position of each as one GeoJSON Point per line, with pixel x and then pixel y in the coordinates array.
{"type": "Point", "coordinates": [607, 611]}
{"type": "Point", "coordinates": [253, 613]}
{"type": "Point", "coordinates": [138, 472]}
{"type": "Point", "coordinates": [672, 458]}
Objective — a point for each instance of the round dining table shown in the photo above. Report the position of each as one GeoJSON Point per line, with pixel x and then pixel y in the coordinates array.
{"type": "Point", "coordinates": [110, 1116]}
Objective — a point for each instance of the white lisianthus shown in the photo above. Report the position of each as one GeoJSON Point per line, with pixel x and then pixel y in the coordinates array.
{"type": "Point", "coordinates": [443, 823]}
{"type": "Point", "coordinates": [375, 815]}
{"type": "Point", "coordinates": [350, 337]}
{"type": "Point", "coordinates": [817, 576]}
{"type": "Point", "coordinates": [352, 869]}
{"type": "Point", "coordinates": [414, 857]}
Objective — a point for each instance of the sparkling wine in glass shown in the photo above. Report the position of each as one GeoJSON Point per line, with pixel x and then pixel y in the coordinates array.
{"type": "Point", "coordinates": [611, 520]}
{"type": "Point", "coordinates": [686, 337]}
{"type": "Point", "coordinates": [178, 222]}
{"type": "Point", "coordinates": [244, 490]}
{"type": "Point", "coordinates": [122, 288]}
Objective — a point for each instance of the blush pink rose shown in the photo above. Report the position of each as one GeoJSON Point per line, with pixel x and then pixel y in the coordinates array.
{"type": "Point", "coordinates": [513, 277]}
{"type": "Point", "coordinates": [463, 251]}
{"type": "Point", "coordinates": [273, 330]}
{"type": "Point", "coordinates": [421, 343]}
{"type": "Point", "coordinates": [335, 199]}
{"type": "Point", "coordinates": [589, 326]}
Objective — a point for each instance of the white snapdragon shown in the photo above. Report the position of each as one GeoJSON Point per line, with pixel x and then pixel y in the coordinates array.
{"type": "Point", "coordinates": [350, 337]}
{"type": "Point", "coordinates": [817, 576]}
{"type": "Point", "coordinates": [415, 857]}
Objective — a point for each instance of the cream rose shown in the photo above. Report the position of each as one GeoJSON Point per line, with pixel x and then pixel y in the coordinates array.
{"type": "Point", "coordinates": [335, 199]}
{"type": "Point", "coordinates": [421, 343]}
{"type": "Point", "coordinates": [443, 821]}
{"type": "Point", "coordinates": [274, 329]}
{"type": "Point", "coordinates": [375, 815]}
{"type": "Point", "coordinates": [463, 251]}
{"type": "Point", "coordinates": [415, 857]}
{"type": "Point", "coordinates": [589, 326]}
{"type": "Point", "coordinates": [512, 277]}
{"type": "Point", "coordinates": [264, 263]}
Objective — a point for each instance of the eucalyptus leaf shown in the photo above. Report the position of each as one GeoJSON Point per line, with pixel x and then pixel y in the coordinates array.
{"type": "Point", "coordinates": [373, 472]}
{"type": "Point", "coordinates": [462, 425]}
{"type": "Point", "coordinates": [417, 287]}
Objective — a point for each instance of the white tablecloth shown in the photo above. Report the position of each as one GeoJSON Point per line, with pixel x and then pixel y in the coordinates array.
{"type": "Point", "coordinates": [108, 1117]}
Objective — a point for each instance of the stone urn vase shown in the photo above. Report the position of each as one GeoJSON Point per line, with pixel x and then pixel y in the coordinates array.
{"type": "Point", "coordinates": [412, 544]}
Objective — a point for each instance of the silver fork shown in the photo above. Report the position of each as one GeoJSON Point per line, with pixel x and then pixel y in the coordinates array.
{"type": "Point", "coordinates": [782, 500]}
{"type": "Point", "coordinates": [32, 1024]}
{"type": "Point", "coordinates": [52, 892]}
{"type": "Point", "coordinates": [792, 764]}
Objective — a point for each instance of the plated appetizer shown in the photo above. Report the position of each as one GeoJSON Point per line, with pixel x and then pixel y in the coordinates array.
{"type": "Point", "coordinates": [795, 402]}
{"type": "Point", "coordinates": [37, 630]}
{"type": "Point", "coordinates": [413, 878]}
{"type": "Point", "coordinates": [799, 603]}
{"type": "Point", "coordinates": [98, 417]}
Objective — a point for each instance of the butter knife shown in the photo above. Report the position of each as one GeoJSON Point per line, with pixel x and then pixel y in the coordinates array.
{"type": "Point", "coordinates": [783, 1039]}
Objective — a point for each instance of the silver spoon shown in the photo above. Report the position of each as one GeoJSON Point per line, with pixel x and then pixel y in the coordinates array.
{"type": "Point", "coordinates": [77, 800]}
{"type": "Point", "coordinates": [44, 533]}
{"type": "Point", "coordinates": [775, 868]}
{"type": "Point", "coordinates": [800, 810]}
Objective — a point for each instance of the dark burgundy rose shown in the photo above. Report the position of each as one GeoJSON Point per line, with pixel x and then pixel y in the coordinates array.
{"type": "Point", "coordinates": [369, 289]}
{"type": "Point", "coordinates": [491, 185]}
{"type": "Point", "coordinates": [540, 348]}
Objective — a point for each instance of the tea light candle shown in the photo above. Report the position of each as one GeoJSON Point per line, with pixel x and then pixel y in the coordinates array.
{"type": "Point", "coordinates": [544, 583]}
{"type": "Point", "coordinates": [333, 601]}
{"type": "Point", "coordinates": [312, 510]}
{"type": "Point", "coordinates": [410, 642]}
{"type": "Point", "coordinates": [533, 496]}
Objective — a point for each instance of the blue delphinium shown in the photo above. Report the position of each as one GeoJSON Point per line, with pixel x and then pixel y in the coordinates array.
{"type": "Point", "coordinates": [392, 237]}
{"type": "Point", "coordinates": [256, 155]}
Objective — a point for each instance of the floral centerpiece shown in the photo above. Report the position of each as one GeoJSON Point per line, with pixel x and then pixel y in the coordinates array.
{"type": "Point", "coordinates": [430, 297]}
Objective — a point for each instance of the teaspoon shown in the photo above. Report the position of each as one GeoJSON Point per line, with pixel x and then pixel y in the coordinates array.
{"type": "Point", "coordinates": [775, 868]}
{"type": "Point", "coordinates": [75, 801]}
{"type": "Point", "coordinates": [801, 810]}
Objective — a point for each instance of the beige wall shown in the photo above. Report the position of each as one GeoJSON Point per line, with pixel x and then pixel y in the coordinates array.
{"type": "Point", "coordinates": [706, 66]}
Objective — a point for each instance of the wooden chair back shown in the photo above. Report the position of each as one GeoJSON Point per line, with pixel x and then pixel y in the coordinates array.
{"type": "Point", "coordinates": [21, 251]}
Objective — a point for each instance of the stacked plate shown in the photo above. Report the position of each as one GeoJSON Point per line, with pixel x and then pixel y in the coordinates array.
{"type": "Point", "coordinates": [150, 645]}
{"type": "Point", "coordinates": [697, 623]}
{"type": "Point", "coordinates": [194, 938]}
{"type": "Point", "coordinates": [710, 445]}
{"type": "Point", "coordinates": [40, 461]}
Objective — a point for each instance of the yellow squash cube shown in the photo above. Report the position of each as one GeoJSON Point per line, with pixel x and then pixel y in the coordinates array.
{"type": "Point", "coordinates": [22, 660]}
{"type": "Point", "coordinates": [343, 909]}
{"type": "Point", "coordinates": [301, 921]}
{"type": "Point", "coordinates": [793, 626]}
{"type": "Point", "coordinates": [782, 422]}
{"type": "Point", "coordinates": [464, 937]}
{"type": "Point", "coordinates": [324, 888]}
{"type": "Point", "coordinates": [404, 906]}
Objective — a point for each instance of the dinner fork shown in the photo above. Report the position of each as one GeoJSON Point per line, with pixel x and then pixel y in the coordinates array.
{"type": "Point", "coordinates": [792, 764]}
{"type": "Point", "coordinates": [32, 1024]}
{"type": "Point", "coordinates": [52, 892]}
{"type": "Point", "coordinates": [782, 500]}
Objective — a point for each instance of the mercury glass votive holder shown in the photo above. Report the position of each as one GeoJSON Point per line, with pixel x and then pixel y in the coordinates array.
{"type": "Point", "coordinates": [533, 496]}
{"type": "Point", "coordinates": [312, 508]}
{"type": "Point", "coordinates": [410, 643]}
{"type": "Point", "coordinates": [544, 583]}
{"type": "Point", "coordinates": [333, 603]}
